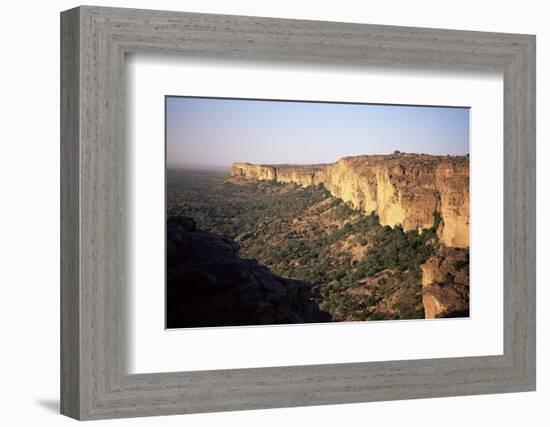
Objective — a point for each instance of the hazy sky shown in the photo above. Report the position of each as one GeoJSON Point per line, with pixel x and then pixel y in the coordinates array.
{"type": "Point", "coordinates": [218, 132]}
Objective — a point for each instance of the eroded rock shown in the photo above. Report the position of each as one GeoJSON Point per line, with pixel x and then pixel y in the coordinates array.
{"type": "Point", "coordinates": [414, 190]}
{"type": "Point", "coordinates": [445, 281]}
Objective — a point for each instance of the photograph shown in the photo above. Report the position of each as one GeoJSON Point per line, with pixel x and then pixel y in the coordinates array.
{"type": "Point", "coordinates": [296, 212]}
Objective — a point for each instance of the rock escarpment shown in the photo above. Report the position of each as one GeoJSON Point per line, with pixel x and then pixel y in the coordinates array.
{"type": "Point", "coordinates": [208, 284]}
{"type": "Point", "coordinates": [445, 282]}
{"type": "Point", "coordinates": [416, 191]}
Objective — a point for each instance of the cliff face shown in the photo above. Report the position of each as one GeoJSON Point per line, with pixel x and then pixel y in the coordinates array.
{"type": "Point", "coordinates": [411, 190]}
{"type": "Point", "coordinates": [445, 284]}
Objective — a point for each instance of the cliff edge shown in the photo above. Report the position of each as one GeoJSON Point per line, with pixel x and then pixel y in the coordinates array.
{"type": "Point", "coordinates": [415, 190]}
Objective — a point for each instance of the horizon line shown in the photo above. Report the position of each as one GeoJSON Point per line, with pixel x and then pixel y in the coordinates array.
{"type": "Point", "coordinates": [228, 166]}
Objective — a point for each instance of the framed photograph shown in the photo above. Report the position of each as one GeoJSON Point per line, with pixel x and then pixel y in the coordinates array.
{"type": "Point", "coordinates": [262, 213]}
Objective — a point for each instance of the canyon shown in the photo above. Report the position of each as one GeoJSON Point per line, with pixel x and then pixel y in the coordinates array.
{"type": "Point", "coordinates": [413, 191]}
{"type": "Point", "coordinates": [364, 238]}
{"type": "Point", "coordinates": [416, 191]}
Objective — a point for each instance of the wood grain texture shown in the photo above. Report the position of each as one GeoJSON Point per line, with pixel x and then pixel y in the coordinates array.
{"type": "Point", "coordinates": [94, 271]}
{"type": "Point", "coordinates": [70, 220]}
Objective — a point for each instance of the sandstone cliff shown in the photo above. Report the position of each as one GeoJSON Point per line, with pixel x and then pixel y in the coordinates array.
{"type": "Point", "coordinates": [416, 191]}
{"type": "Point", "coordinates": [445, 282]}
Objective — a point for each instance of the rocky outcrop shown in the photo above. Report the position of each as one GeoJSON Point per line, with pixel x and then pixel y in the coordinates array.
{"type": "Point", "coordinates": [445, 282]}
{"type": "Point", "coordinates": [416, 191]}
{"type": "Point", "coordinates": [208, 284]}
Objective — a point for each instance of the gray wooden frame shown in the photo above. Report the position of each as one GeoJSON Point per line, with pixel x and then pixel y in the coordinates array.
{"type": "Point", "coordinates": [94, 41]}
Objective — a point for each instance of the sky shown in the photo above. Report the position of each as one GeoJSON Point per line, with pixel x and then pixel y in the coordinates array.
{"type": "Point", "coordinates": [210, 132]}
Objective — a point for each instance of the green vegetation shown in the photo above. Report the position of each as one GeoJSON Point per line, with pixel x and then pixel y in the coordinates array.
{"type": "Point", "coordinates": [357, 268]}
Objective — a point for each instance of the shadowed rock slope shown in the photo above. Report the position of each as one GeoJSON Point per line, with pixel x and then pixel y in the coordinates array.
{"type": "Point", "coordinates": [208, 284]}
